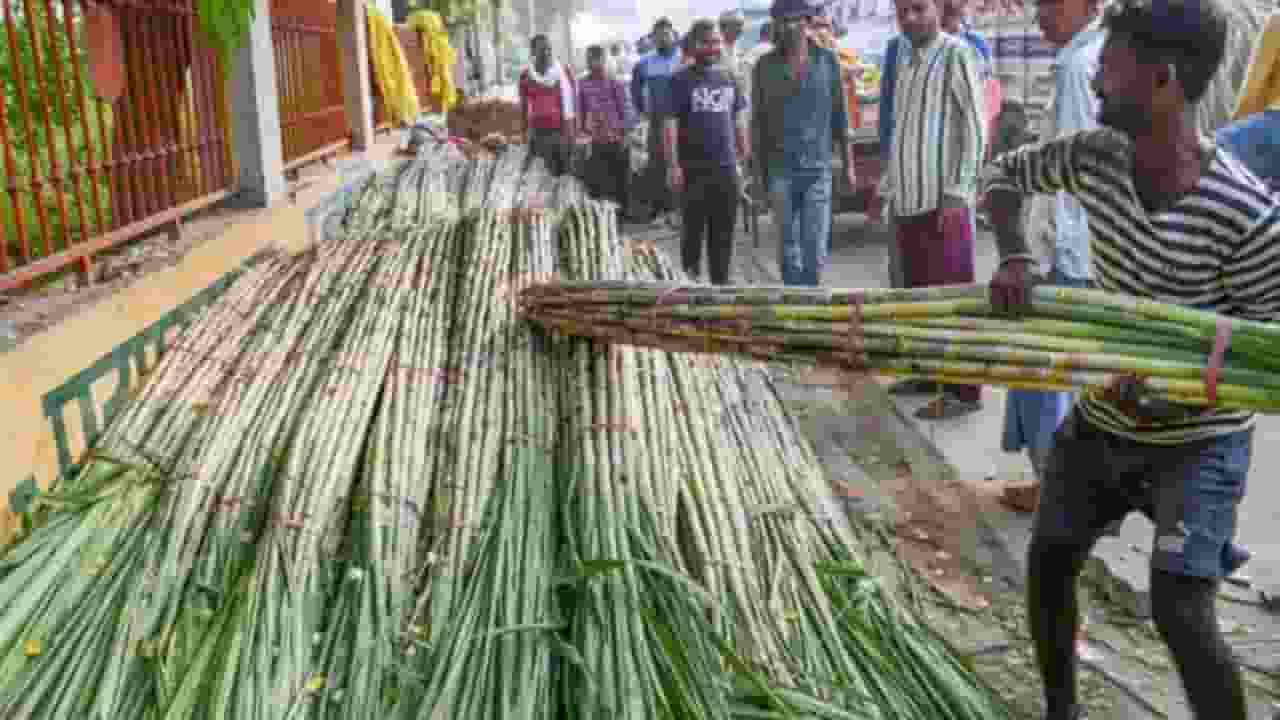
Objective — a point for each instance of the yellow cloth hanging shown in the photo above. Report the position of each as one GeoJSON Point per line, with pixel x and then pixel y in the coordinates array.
{"type": "Point", "coordinates": [439, 58]}
{"type": "Point", "coordinates": [391, 70]}
{"type": "Point", "coordinates": [1261, 88]}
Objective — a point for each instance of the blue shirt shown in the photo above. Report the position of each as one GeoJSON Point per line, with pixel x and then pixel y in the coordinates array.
{"type": "Point", "coordinates": [795, 122]}
{"type": "Point", "coordinates": [651, 81]}
{"type": "Point", "coordinates": [889, 79]}
{"type": "Point", "coordinates": [706, 103]}
{"type": "Point", "coordinates": [1255, 140]}
{"type": "Point", "coordinates": [1075, 108]}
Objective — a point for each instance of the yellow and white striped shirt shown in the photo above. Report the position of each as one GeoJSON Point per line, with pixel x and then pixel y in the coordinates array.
{"type": "Point", "coordinates": [939, 137]}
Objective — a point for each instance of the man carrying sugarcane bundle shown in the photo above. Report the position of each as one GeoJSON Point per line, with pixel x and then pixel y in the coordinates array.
{"type": "Point", "coordinates": [1173, 218]}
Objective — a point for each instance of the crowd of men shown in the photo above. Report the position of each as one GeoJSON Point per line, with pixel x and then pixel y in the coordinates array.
{"type": "Point", "coordinates": [1128, 196]}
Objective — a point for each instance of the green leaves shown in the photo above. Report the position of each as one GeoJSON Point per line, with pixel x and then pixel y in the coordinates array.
{"type": "Point", "coordinates": [22, 497]}
{"type": "Point", "coordinates": [226, 22]}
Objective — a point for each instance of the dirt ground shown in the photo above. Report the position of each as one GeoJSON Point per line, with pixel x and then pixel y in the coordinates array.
{"type": "Point", "coordinates": [30, 310]}
{"type": "Point", "coordinates": [939, 529]}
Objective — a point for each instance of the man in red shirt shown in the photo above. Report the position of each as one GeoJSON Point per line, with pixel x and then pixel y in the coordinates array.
{"type": "Point", "coordinates": [547, 101]}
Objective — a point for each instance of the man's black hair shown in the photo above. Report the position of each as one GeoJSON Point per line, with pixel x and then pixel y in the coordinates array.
{"type": "Point", "coordinates": [1190, 35]}
{"type": "Point", "coordinates": [699, 30]}
{"type": "Point", "coordinates": [540, 38]}
{"type": "Point", "coordinates": [595, 50]}
{"type": "Point", "coordinates": [663, 22]}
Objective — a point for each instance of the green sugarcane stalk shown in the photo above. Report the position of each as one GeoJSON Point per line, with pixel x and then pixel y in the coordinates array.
{"type": "Point", "coordinates": [961, 344]}
{"type": "Point", "coordinates": [1191, 326]}
{"type": "Point", "coordinates": [693, 338]}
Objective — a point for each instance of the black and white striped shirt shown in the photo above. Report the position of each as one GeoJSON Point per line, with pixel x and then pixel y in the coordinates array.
{"type": "Point", "coordinates": [1216, 248]}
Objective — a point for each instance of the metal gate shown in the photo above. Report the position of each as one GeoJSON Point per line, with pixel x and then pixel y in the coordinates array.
{"type": "Point", "coordinates": [114, 123]}
{"type": "Point", "coordinates": [313, 117]}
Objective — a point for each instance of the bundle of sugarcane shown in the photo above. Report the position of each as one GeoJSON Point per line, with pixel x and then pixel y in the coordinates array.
{"type": "Point", "coordinates": [828, 629]}
{"type": "Point", "coordinates": [485, 631]}
{"type": "Point", "coordinates": [468, 461]}
{"type": "Point", "coordinates": [1072, 338]}
{"type": "Point", "coordinates": [277, 571]}
{"type": "Point", "coordinates": [125, 592]}
{"type": "Point", "coordinates": [603, 465]}
{"type": "Point", "coordinates": [371, 605]}
{"type": "Point", "coordinates": [476, 190]}
{"type": "Point", "coordinates": [504, 188]}
{"type": "Point", "coordinates": [424, 185]}
{"type": "Point", "coordinates": [297, 566]}
{"type": "Point", "coordinates": [476, 119]}
{"type": "Point", "coordinates": [72, 589]}
{"type": "Point", "coordinates": [239, 498]}
{"type": "Point", "coordinates": [601, 529]}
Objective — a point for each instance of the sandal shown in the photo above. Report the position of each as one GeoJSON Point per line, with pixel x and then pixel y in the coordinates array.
{"type": "Point", "coordinates": [947, 407]}
{"type": "Point", "coordinates": [1021, 498]}
{"type": "Point", "coordinates": [914, 386]}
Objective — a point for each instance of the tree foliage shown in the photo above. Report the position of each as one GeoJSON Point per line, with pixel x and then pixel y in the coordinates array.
{"type": "Point", "coordinates": [41, 52]}
{"type": "Point", "coordinates": [226, 22]}
{"type": "Point", "coordinates": [453, 12]}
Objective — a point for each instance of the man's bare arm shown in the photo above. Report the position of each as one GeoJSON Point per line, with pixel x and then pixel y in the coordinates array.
{"type": "Point", "coordinates": [670, 131]}
{"type": "Point", "coordinates": [850, 168]}
{"type": "Point", "coordinates": [740, 135]}
{"type": "Point", "coordinates": [1004, 207]}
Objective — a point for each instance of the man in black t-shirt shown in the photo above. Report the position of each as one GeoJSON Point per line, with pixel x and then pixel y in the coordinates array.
{"type": "Point", "coordinates": [706, 138]}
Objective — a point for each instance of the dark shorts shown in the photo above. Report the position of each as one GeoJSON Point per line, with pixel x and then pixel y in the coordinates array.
{"type": "Point", "coordinates": [1191, 493]}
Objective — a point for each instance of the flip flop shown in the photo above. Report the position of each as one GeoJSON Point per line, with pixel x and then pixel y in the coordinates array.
{"type": "Point", "coordinates": [947, 407]}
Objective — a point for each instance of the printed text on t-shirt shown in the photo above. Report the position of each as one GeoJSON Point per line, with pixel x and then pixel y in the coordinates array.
{"type": "Point", "coordinates": [713, 99]}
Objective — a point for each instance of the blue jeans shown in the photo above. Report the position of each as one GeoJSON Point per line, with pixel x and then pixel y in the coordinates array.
{"type": "Point", "coordinates": [1031, 417]}
{"type": "Point", "coordinates": [802, 210]}
{"type": "Point", "coordinates": [1190, 492]}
